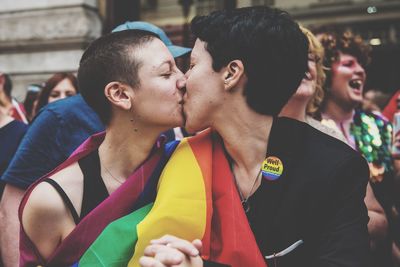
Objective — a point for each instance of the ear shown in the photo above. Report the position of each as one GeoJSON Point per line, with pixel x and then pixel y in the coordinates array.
{"type": "Point", "coordinates": [233, 73]}
{"type": "Point", "coordinates": [119, 95]}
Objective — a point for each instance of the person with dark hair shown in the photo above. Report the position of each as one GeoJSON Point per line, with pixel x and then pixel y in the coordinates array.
{"type": "Point", "coordinates": [9, 105]}
{"type": "Point", "coordinates": [282, 192]}
{"type": "Point", "coordinates": [59, 86]}
{"type": "Point", "coordinates": [347, 56]}
{"type": "Point", "coordinates": [31, 100]}
{"type": "Point", "coordinates": [58, 129]}
{"type": "Point", "coordinates": [131, 81]}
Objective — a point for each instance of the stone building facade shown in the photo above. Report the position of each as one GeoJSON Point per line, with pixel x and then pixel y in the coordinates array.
{"type": "Point", "coordinates": [38, 38]}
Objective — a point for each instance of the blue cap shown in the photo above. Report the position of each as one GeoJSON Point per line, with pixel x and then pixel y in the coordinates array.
{"type": "Point", "coordinates": [175, 50]}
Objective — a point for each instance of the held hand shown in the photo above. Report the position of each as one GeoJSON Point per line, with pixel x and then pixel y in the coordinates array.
{"type": "Point", "coordinates": [172, 251]}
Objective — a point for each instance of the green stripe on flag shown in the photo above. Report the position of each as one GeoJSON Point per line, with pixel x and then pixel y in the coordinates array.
{"type": "Point", "coordinates": [116, 244]}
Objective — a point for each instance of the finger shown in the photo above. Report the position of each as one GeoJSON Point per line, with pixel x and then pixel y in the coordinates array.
{"type": "Point", "coordinates": [152, 250]}
{"type": "Point", "coordinates": [150, 262]}
{"type": "Point", "coordinates": [185, 247]}
{"type": "Point", "coordinates": [181, 244]}
{"type": "Point", "coordinates": [165, 254]}
{"type": "Point", "coordinates": [164, 240]}
{"type": "Point", "coordinates": [170, 257]}
{"type": "Point", "coordinates": [197, 244]}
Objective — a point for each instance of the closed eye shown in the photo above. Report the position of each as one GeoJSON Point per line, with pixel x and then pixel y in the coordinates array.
{"type": "Point", "coordinates": [166, 75]}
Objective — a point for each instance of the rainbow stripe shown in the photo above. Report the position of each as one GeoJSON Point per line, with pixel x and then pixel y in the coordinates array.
{"type": "Point", "coordinates": [191, 196]}
{"type": "Point", "coordinates": [184, 207]}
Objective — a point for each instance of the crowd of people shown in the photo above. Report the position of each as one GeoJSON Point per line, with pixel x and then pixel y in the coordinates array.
{"type": "Point", "coordinates": [290, 159]}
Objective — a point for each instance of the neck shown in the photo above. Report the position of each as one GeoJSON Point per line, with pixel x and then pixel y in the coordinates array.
{"type": "Point", "coordinates": [5, 103]}
{"type": "Point", "coordinates": [338, 112]}
{"type": "Point", "coordinates": [125, 148]}
{"type": "Point", "coordinates": [295, 109]}
{"type": "Point", "coordinates": [4, 119]}
{"type": "Point", "coordinates": [245, 134]}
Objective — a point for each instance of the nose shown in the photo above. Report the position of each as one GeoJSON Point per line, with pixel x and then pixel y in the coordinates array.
{"type": "Point", "coordinates": [181, 82]}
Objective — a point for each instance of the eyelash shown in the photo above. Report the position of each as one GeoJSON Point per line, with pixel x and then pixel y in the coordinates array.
{"type": "Point", "coordinates": [167, 75]}
{"type": "Point", "coordinates": [348, 64]}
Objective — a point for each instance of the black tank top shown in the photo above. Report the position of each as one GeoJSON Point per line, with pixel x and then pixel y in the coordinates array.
{"type": "Point", "coordinates": [94, 189]}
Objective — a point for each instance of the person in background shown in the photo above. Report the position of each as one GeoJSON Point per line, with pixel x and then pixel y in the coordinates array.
{"type": "Point", "coordinates": [11, 133]}
{"type": "Point", "coordinates": [346, 56]}
{"type": "Point", "coordinates": [59, 86]}
{"type": "Point", "coordinates": [10, 106]}
{"type": "Point", "coordinates": [31, 100]}
{"type": "Point", "coordinates": [58, 129]}
{"type": "Point", "coordinates": [305, 105]}
{"type": "Point", "coordinates": [374, 101]}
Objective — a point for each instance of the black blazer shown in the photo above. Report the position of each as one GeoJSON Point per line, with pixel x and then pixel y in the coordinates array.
{"type": "Point", "coordinates": [318, 201]}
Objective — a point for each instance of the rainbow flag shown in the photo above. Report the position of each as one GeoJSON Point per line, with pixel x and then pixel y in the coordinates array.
{"type": "Point", "coordinates": [197, 198]}
{"type": "Point", "coordinates": [191, 196]}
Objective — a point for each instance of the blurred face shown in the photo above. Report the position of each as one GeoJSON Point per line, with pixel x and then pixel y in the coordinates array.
{"type": "Point", "coordinates": [348, 79]}
{"type": "Point", "coordinates": [62, 90]}
{"type": "Point", "coordinates": [307, 86]}
{"type": "Point", "coordinates": [368, 102]}
{"type": "Point", "coordinates": [158, 100]}
{"type": "Point", "coordinates": [204, 90]}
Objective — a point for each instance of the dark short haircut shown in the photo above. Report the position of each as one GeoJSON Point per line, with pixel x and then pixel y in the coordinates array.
{"type": "Point", "coordinates": [51, 83]}
{"type": "Point", "coordinates": [107, 59]}
{"type": "Point", "coordinates": [345, 42]}
{"type": "Point", "coordinates": [30, 98]}
{"type": "Point", "coordinates": [7, 85]}
{"type": "Point", "coordinates": [270, 44]}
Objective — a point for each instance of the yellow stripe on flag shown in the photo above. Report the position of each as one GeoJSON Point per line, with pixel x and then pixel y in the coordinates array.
{"type": "Point", "coordinates": [180, 206]}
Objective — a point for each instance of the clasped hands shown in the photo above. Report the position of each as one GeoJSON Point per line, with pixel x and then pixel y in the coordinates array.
{"type": "Point", "coordinates": [170, 251]}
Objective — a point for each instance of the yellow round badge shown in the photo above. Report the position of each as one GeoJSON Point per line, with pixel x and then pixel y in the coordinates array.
{"type": "Point", "coordinates": [272, 168]}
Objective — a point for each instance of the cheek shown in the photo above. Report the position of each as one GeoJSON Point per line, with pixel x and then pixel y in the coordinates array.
{"type": "Point", "coordinates": [52, 99]}
{"type": "Point", "coordinates": [340, 78]}
{"type": "Point", "coordinates": [341, 73]}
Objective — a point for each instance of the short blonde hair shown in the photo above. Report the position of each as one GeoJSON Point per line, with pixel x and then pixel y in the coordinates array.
{"type": "Point", "coordinates": [317, 51]}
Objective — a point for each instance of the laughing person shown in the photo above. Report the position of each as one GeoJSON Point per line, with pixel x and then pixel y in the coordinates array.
{"type": "Point", "coordinates": [346, 57]}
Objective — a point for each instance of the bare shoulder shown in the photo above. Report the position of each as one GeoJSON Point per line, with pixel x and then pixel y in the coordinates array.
{"type": "Point", "coordinates": [69, 177]}
{"type": "Point", "coordinates": [43, 202]}
{"type": "Point", "coordinates": [45, 217]}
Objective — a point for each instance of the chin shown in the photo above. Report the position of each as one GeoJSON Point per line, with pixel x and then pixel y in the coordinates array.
{"type": "Point", "coordinates": [357, 100]}
{"type": "Point", "coordinates": [193, 128]}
